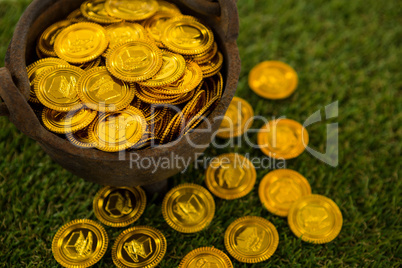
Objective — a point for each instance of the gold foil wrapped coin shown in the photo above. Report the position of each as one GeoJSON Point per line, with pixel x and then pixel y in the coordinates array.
{"type": "Point", "coordinates": [134, 61]}
{"type": "Point", "coordinates": [123, 32]}
{"type": "Point", "coordinates": [81, 42]}
{"type": "Point", "coordinates": [273, 80]}
{"type": "Point", "coordinates": [94, 10]}
{"type": "Point", "coordinates": [56, 88]}
{"type": "Point", "coordinates": [119, 207]}
{"type": "Point", "coordinates": [238, 119]}
{"type": "Point", "coordinates": [80, 244]}
{"type": "Point", "coordinates": [188, 208]}
{"type": "Point", "coordinates": [117, 131]}
{"type": "Point", "coordinates": [63, 123]}
{"type": "Point", "coordinates": [283, 139]}
{"type": "Point", "coordinates": [131, 10]}
{"type": "Point", "coordinates": [35, 69]}
{"type": "Point", "coordinates": [251, 239]}
{"type": "Point", "coordinates": [139, 247]}
{"type": "Point", "coordinates": [173, 68]}
{"type": "Point", "coordinates": [187, 36]}
{"type": "Point", "coordinates": [99, 91]}
{"type": "Point", "coordinates": [206, 257]}
{"type": "Point", "coordinates": [230, 176]}
{"type": "Point", "coordinates": [47, 40]}
{"type": "Point", "coordinates": [280, 188]}
{"type": "Point", "coordinates": [315, 219]}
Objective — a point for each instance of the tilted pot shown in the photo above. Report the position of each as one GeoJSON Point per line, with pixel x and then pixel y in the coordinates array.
{"type": "Point", "coordinates": [91, 164]}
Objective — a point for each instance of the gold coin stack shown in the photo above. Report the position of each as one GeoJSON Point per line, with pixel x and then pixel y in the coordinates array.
{"type": "Point", "coordinates": [111, 72]}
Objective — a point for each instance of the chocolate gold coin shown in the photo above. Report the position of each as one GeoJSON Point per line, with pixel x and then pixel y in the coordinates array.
{"type": "Point", "coordinates": [315, 219]}
{"type": "Point", "coordinates": [139, 247]}
{"type": "Point", "coordinates": [100, 91]}
{"type": "Point", "coordinates": [283, 139]}
{"type": "Point", "coordinates": [119, 207]}
{"type": "Point", "coordinates": [206, 257]}
{"type": "Point", "coordinates": [280, 188]}
{"type": "Point", "coordinates": [188, 208]}
{"type": "Point", "coordinates": [251, 239]}
{"type": "Point", "coordinates": [63, 123]}
{"type": "Point", "coordinates": [238, 119]}
{"type": "Point", "coordinates": [80, 244]}
{"type": "Point", "coordinates": [131, 10]}
{"type": "Point", "coordinates": [273, 80]}
{"type": "Point", "coordinates": [81, 42]}
{"type": "Point", "coordinates": [230, 176]}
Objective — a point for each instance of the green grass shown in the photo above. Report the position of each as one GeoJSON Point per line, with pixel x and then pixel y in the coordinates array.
{"type": "Point", "coordinates": [342, 50]}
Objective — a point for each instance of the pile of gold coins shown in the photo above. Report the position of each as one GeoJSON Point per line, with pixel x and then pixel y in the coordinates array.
{"type": "Point", "coordinates": [109, 74]}
{"type": "Point", "coordinates": [190, 208]}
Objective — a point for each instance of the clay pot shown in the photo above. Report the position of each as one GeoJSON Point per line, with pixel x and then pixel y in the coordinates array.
{"type": "Point", "coordinates": [91, 164]}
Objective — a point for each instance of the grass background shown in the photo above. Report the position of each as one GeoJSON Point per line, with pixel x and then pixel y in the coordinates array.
{"type": "Point", "coordinates": [343, 50]}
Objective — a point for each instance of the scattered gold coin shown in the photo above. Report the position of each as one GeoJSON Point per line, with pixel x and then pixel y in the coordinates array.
{"type": "Point", "coordinates": [230, 176]}
{"type": "Point", "coordinates": [206, 257]}
{"type": "Point", "coordinates": [283, 139]}
{"type": "Point", "coordinates": [119, 207]}
{"type": "Point", "coordinates": [251, 239]}
{"type": "Point", "coordinates": [273, 80]}
{"type": "Point", "coordinates": [238, 119]}
{"type": "Point", "coordinates": [315, 219]}
{"type": "Point", "coordinates": [139, 246]}
{"type": "Point", "coordinates": [188, 208]}
{"type": "Point", "coordinates": [80, 243]}
{"type": "Point", "coordinates": [280, 188]}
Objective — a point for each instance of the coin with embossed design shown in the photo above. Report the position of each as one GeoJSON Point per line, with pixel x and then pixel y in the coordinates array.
{"type": "Point", "coordinates": [123, 32]}
{"type": "Point", "coordinates": [188, 208]}
{"type": "Point", "coordinates": [81, 42]}
{"type": "Point", "coordinates": [280, 188]}
{"type": "Point", "coordinates": [81, 138]}
{"type": "Point", "coordinates": [206, 257]}
{"type": "Point", "coordinates": [230, 176]}
{"type": "Point", "coordinates": [283, 139]}
{"type": "Point", "coordinates": [155, 25]}
{"type": "Point", "coordinates": [139, 247]}
{"type": "Point", "coordinates": [80, 243]}
{"type": "Point", "coordinates": [47, 39]}
{"type": "Point", "coordinates": [273, 80]}
{"type": "Point", "coordinates": [63, 123]}
{"type": "Point", "coordinates": [134, 61]}
{"type": "Point", "coordinates": [119, 207]}
{"type": "Point", "coordinates": [94, 10]}
{"type": "Point", "coordinates": [251, 239]}
{"type": "Point", "coordinates": [315, 219]}
{"type": "Point", "coordinates": [131, 10]}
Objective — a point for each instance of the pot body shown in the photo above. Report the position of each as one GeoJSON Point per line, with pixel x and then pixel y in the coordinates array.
{"type": "Point", "coordinates": [126, 168]}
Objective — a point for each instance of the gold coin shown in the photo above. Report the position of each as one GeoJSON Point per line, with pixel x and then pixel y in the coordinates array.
{"type": "Point", "coordinates": [92, 64]}
{"type": "Point", "coordinates": [165, 6]}
{"type": "Point", "coordinates": [206, 257]}
{"type": "Point", "coordinates": [155, 25]}
{"type": "Point", "coordinates": [56, 88]}
{"type": "Point", "coordinates": [35, 69]}
{"type": "Point", "coordinates": [188, 208]}
{"type": "Point", "coordinates": [206, 56]}
{"type": "Point", "coordinates": [212, 67]}
{"type": "Point", "coordinates": [173, 68]}
{"type": "Point", "coordinates": [81, 42]}
{"type": "Point", "coordinates": [123, 32]}
{"type": "Point", "coordinates": [230, 176]}
{"type": "Point", "coordinates": [238, 119]}
{"type": "Point", "coordinates": [251, 239]}
{"type": "Point", "coordinates": [315, 219]}
{"type": "Point", "coordinates": [81, 138]}
{"type": "Point", "coordinates": [63, 123]}
{"type": "Point", "coordinates": [119, 207]}
{"type": "Point", "coordinates": [117, 131]}
{"type": "Point", "coordinates": [99, 91]}
{"type": "Point", "coordinates": [47, 39]}
{"type": "Point", "coordinates": [94, 10]}
{"type": "Point", "coordinates": [80, 243]}
{"type": "Point", "coordinates": [280, 188]}
{"type": "Point", "coordinates": [139, 246]}
{"type": "Point", "coordinates": [283, 139]}
{"type": "Point", "coordinates": [185, 35]}
{"type": "Point", "coordinates": [76, 16]}
{"type": "Point", "coordinates": [134, 61]}
{"type": "Point", "coordinates": [273, 80]}
{"type": "Point", "coordinates": [131, 10]}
